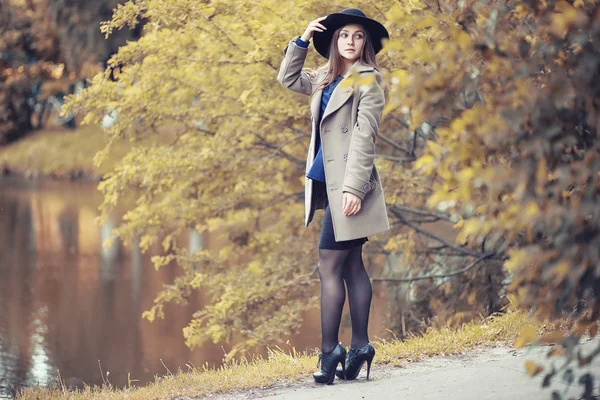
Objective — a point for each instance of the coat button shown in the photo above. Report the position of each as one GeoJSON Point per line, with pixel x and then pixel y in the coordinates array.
{"type": "Point", "coordinates": [369, 186]}
{"type": "Point", "coordinates": [345, 156]}
{"type": "Point", "coordinates": [344, 128]}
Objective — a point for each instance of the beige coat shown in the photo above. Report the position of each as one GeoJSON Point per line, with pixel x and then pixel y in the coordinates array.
{"type": "Point", "coordinates": [349, 128]}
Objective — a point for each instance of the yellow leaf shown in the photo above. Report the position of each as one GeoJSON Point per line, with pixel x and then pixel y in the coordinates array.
{"type": "Point", "coordinates": [435, 148]}
{"type": "Point", "coordinates": [561, 271]}
{"type": "Point", "coordinates": [531, 210]}
{"type": "Point", "coordinates": [425, 23]}
{"type": "Point", "coordinates": [541, 176]}
{"type": "Point", "coordinates": [553, 337]}
{"type": "Point", "coordinates": [389, 108]}
{"type": "Point", "coordinates": [481, 209]}
{"type": "Point", "coordinates": [532, 368]}
{"type": "Point", "coordinates": [366, 80]}
{"type": "Point", "coordinates": [423, 161]}
{"type": "Point", "coordinates": [556, 352]}
{"type": "Point", "coordinates": [528, 334]}
{"type": "Point", "coordinates": [400, 76]}
{"type": "Point", "coordinates": [244, 96]}
{"type": "Point", "coordinates": [464, 40]}
{"type": "Point", "coordinates": [466, 175]}
{"type": "Point", "coordinates": [470, 227]}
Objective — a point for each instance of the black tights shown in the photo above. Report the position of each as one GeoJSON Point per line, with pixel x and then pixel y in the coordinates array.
{"type": "Point", "coordinates": [335, 267]}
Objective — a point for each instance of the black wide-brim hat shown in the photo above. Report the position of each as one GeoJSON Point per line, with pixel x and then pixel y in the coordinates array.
{"type": "Point", "coordinates": [322, 40]}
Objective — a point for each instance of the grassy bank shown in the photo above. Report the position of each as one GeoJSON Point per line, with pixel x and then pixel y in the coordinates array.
{"type": "Point", "coordinates": [281, 367]}
{"type": "Point", "coordinates": [59, 153]}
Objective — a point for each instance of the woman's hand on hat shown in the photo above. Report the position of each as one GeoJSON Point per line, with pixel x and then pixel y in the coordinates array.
{"type": "Point", "coordinates": [350, 203]}
{"type": "Point", "coordinates": [312, 27]}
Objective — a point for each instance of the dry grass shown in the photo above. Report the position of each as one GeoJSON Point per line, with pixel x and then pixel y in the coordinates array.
{"type": "Point", "coordinates": [494, 331]}
{"type": "Point", "coordinates": [283, 367]}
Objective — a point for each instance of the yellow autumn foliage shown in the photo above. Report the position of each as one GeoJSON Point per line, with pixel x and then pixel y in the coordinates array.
{"type": "Point", "coordinates": [484, 131]}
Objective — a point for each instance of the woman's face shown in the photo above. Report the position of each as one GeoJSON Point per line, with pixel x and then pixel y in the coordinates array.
{"type": "Point", "coordinates": [351, 41]}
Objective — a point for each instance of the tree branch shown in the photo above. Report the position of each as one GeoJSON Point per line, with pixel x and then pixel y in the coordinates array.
{"type": "Point", "coordinates": [436, 276]}
{"type": "Point", "coordinates": [402, 122]}
{"type": "Point", "coordinates": [391, 142]}
{"type": "Point", "coordinates": [279, 151]}
{"type": "Point", "coordinates": [426, 213]}
{"type": "Point", "coordinates": [397, 159]}
{"type": "Point", "coordinates": [433, 235]}
{"type": "Point", "coordinates": [284, 198]}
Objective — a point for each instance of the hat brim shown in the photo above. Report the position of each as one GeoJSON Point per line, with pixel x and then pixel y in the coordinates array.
{"type": "Point", "coordinates": [322, 40]}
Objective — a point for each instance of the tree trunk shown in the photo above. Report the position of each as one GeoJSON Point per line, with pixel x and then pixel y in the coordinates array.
{"type": "Point", "coordinates": [15, 113]}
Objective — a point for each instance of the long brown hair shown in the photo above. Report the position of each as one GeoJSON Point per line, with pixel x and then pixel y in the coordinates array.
{"type": "Point", "coordinates": [335, 66]}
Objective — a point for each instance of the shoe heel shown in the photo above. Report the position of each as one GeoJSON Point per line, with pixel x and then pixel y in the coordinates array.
{"type": "Point", "coordinates": [344, 367]}
{"type": "Point", "coordinates": [331, 378]}
{"type": "Point", "coordinates": [369, 361]}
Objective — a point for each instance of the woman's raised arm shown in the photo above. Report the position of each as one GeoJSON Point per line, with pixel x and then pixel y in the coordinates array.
{"type": "Point", "coordinates": [290, 72]}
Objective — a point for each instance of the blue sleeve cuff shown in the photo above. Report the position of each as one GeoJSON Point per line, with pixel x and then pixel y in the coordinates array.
{"type": "Point", "coordinates": [302, 43]}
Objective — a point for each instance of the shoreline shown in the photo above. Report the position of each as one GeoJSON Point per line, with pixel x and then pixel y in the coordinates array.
{"type": "Point", "coordinates": [60, 154]}
{"type": "Point", "coordinates": [74, 176]}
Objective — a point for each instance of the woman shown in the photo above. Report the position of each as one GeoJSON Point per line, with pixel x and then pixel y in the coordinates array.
{"type": "Point", "coordinates": [341, 175]}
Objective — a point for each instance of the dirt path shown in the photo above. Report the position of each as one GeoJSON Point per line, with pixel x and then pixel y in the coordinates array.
{"type": "Point", "coordinates": [494, 374]}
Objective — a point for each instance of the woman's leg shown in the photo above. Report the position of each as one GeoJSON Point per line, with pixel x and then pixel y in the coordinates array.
{"type": "Point", "coordinates": [333, 295]}
{"type": "Point", "coordinates": [359, 296]}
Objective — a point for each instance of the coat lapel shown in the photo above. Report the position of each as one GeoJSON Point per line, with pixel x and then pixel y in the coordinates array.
{"type": "Point", "coordinates": [342, 93]}
{"type": "Point", "coordinates": [339, 96]}
{"type": "Point", "coordinates": [315, 104]}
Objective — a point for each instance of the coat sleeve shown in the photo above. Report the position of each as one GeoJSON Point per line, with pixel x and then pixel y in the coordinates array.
{"type": "Point", "coordinates": [290, 72]}
{"type": "Point", "coordinates": [361, 155]}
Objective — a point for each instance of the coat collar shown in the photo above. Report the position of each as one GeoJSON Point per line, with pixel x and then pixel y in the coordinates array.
{"type": "Point", "coordinates": [360, 68]}
{"type": "Point", "coordinates": [340, 94]}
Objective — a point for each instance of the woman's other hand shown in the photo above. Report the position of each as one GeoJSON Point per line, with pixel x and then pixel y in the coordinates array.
{"type": "Point", "coordinates": [312, 27]}
{"type": "Point", "coordinates": [350, 204]}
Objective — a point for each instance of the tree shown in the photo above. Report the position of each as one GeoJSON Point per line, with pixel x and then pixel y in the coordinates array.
{"type": "Point", "coordinates": [45, 47]}
{"type": "Point", "coordinates": [491, 122]}
{"type": "Point", "coordinates": [521, 167]}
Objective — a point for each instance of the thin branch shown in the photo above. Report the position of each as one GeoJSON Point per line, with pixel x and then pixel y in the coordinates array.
{"type": "Point", "coordinates": [168, 370]}
{"type": "Point", "coordinates": [443, 252]}
{"type": "Point", "coordinates": [433, 235]}
{"type": "Point", "coordinates": [414, 143]}
{"type": "Point", "coordinates": [397, 159]}
{"type": "Point", "coordinates": [429, 220]}
{"type": "Point", "coordinates": [423, 212]}
{"type": "Point", "coordinates": [284, 198]}
{"type": "Point", "coordinates": [391, 142]}
{"type": "Point", "coordinates": [299, 131]}
{"type": "Point", "coordinates": [280, 148]}
{"type": "Point", "coordinates": [402, 122]}
{"type": "Point", "coordinates": [279, 151]}
{"type": "Point", "coordinates": [436, 276]}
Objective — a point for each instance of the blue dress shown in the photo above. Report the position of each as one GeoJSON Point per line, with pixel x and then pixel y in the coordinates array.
{"type": "Point", "coordinates": [317, 169]}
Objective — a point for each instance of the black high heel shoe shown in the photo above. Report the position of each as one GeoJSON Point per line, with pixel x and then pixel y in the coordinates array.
{"type": "Point", "coordinates": [328, 363]}
{"type": "Point", "coordinates": [354, 362]}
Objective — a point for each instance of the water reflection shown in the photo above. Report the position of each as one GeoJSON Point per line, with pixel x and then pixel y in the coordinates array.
{"type": "Point", "coordinates": [70, 306]}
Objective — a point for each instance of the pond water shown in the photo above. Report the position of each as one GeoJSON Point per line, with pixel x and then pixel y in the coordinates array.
{"type": "Point", "coordinates": [70, 307]}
